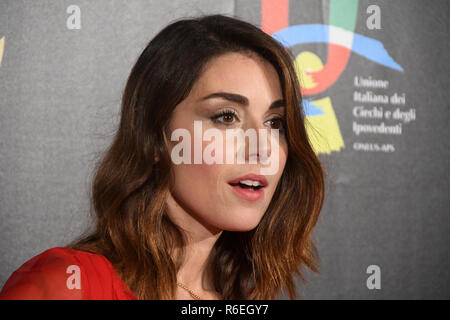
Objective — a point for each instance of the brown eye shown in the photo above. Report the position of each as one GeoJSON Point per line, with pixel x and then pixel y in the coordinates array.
{"type": "Point", "coordinates": [226, 116]}
{"type": "Point", "coordinates": [278, 123]}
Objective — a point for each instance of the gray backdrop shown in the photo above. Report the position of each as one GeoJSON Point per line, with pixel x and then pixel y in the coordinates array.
{"type": "Point", "coordinates": [387, 193]}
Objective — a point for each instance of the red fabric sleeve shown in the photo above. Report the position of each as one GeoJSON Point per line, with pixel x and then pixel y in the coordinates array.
{"type": "Point", "coordinates": [64, 273]}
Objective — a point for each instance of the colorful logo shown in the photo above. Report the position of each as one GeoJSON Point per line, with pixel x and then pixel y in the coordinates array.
{"type": "Point", "coordinates": [315, 77]}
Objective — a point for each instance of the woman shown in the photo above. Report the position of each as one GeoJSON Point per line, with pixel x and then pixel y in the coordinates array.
{"type": "Point", "coordinates": [167, 230]}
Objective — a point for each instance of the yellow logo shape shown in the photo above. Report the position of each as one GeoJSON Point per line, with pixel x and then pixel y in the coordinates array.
{"type": "Point", "coordinates": [2, 45]}
{"type": "Point", "coordinates": [323, 129]}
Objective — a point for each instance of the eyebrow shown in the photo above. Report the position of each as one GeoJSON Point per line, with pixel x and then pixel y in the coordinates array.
{"type": "Point", "coordinates": [237, 98]}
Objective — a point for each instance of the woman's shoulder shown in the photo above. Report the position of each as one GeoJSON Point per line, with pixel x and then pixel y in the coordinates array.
{"type": "Point", "coordinates": [65, 273]}
{"type": "Point", "coordinates": [58, 257]}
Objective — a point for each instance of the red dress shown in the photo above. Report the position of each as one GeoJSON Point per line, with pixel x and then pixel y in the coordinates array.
{"type": "Point", "coordinates": [63, 273]}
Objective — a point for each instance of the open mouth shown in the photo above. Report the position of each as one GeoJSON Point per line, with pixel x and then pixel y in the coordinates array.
{"type": "Point", "coordinates": [249, 187]}
{"type": "Point", "coordinates": [247, 192]}
{"type": "Point", "coordinates": [244, 186]}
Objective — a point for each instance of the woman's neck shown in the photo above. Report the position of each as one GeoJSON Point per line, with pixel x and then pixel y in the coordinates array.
{"type": "Point", "coordinates": [194, 272]}
{"type": "Point", "coordinates": [200, 239]}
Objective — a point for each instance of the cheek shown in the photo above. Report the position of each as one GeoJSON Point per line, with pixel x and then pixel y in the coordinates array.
{"type": "Point", "coordinates": [196, 179]}
{"type": "Point", "coordinates": [283, 153]}
{"type": "Point", "coordinates": [200, 186]}
{"type": "Point", "coordinates": [199, 178]}
{"type": "Point", "coordinates": [192, 180]}
{"type": "Point", "coordinates": [275, 178]}
{"type": "Point", "coordinates": [279, 161]}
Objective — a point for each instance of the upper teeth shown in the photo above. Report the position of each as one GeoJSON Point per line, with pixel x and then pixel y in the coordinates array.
{"type": "Point", "coordinates": [251, 183]}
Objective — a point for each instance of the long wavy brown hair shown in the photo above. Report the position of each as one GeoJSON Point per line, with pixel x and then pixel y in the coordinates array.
{"type": "Point", "coordinates": [130, 187]}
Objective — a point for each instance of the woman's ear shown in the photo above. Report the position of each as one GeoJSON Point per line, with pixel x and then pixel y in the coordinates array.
{"type": "Point", "coordinates": [156, 156]}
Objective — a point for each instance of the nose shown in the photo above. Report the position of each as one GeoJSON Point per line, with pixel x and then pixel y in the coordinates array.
{"type": "Point", "coordinates": [262, 150]}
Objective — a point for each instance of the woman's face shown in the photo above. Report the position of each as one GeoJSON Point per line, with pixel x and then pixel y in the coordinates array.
{"type": "Point", "coordinates": [201, 194]}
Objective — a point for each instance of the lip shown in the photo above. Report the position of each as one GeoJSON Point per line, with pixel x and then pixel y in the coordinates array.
{"type": "Point", "coordinates": [251, 176]}
{"type": "Point", "coordinates": [249, 194]}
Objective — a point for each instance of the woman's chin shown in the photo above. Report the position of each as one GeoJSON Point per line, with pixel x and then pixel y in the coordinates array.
{"type": "Point", "coordinates": [241, 224]}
